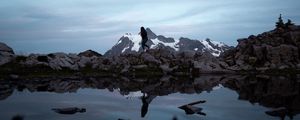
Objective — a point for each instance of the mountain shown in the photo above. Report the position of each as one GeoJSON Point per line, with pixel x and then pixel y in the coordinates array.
{"type": "Point", "coordinates": [131, 43]}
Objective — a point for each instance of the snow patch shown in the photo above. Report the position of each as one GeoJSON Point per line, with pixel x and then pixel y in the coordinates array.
{"type": "Point", "coordinates": [125, 49]}
{"type": "Point", "coordinates": [136, 39]}
{"type": "Point", "coordinates": [216, 54]}
{"type": "Point", "coordinates": [209, 47]}
{"type": "Point", "coordinates": [219, 44]}
{"type": "Point", "coordinates": [172, 45]}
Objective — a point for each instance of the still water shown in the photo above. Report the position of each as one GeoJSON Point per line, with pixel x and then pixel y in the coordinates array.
{"type": "Point", "coordinates": [227, 97]}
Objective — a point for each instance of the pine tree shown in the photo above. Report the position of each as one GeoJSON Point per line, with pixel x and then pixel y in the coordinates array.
{"type": "Point", "coordinates": [280, 23]}
{"type": "Point", "coordinates": [289, 22]}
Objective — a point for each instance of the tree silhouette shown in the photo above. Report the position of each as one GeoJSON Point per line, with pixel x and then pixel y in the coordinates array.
{"type": "Point", "coordinates": [280, 23]}
{"type": "Point", "coordinates": [289, 22]}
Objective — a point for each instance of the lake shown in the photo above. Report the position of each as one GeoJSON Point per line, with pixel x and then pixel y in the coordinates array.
{"type": "Point", "coordinates": [225, 97]}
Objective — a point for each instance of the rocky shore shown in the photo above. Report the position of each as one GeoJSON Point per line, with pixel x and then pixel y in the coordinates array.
{"type": "Point", "coordinates": [277, 49]}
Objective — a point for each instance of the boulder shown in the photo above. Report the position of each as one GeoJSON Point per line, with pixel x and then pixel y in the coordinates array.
{"type": "Point", "coordinates": [6, 54]}
{"type": "Point", "coordinates": [71, 110]}
{"type": "Point", "coordinates": [149, 58]}
{"type": "Point", "coordinates": [89, 53]}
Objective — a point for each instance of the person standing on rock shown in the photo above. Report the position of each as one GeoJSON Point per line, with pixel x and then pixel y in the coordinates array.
{"type": "Point", "coordinates": [144, 36]}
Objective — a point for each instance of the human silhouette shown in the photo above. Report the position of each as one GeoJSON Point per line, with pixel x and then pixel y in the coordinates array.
{"type": "Point", "coordinates": [146, 100]}
{"type": "Point", "coordinates": [144, 36]}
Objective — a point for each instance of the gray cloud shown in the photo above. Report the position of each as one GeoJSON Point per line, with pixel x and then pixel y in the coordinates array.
{"type": "Point", "coordinates": [73, 26]}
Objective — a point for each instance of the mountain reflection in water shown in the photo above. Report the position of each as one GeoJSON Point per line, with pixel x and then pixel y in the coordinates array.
{"type": "Point", "coordinates": [280, 94]}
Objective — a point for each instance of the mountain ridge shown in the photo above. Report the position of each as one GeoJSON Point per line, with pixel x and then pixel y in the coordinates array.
{"type": "Point", "coordinates": [131, 43]}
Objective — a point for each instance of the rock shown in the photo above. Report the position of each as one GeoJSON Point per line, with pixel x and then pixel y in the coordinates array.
{"type": "Point", "coordinates": [14, 76]}
{"type": "Point", "coordinates": [165, 68]}
{"type": "Point", "coordinates": [283, 67]}
{"type": "Point", "coordinates": [125, 69]}
{"type": "Point", "coordinates": [5, 48]}
{"type": "Point", "coordinates": [149, 58]}
{"type": "Point", "coordinates": [298, 66]}
{"type": "Point", "coordinates": [186, 54]}
{"type": "Point", "coordinates": [89, 53]}
{"type": "Point", "coordinates": [5, 91]}
{"type": "Point", "coordinates": [56, 61]}
{"type": "Point", "coordinates": [18, 117]}
{"type": "Point", "coordinates": [63, 60]}
{"type": "Point", "coordinates": [190, 109]}
{"type": "Point", "coordinates": [140, 66]}
{"type": "Point", "coordinates": [276, 49]}
{"type": "Point", "coordinates": [6, 54]}
{"type": "Point", "coordinates": [279, 112]}
{"type": "Point", "coordinates": [71, 110]}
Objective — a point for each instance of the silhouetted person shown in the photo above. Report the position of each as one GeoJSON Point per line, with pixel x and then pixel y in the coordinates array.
{"type": "Point", "coordinates": [144, 106]}
{"type": "Point", "coordinates": [144, 36]}
{"type": "Point", "coordinates": [146, 101]}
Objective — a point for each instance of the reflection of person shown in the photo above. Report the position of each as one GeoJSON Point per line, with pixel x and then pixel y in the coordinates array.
{"type": "Point", "coordinates": [146, 100]}
{"type": "Point", "coordinates": [144, 36]}
{"type": "Point", "coordinates": [144, 106]}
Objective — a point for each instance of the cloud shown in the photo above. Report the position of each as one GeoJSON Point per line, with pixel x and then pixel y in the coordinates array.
{"type": "Point", "coordinates": [99, 24]}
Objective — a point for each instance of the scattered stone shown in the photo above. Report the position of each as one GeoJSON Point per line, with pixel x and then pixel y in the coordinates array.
{"type": "Point", "coordinates": [14, 76]}
{"type": "Point", "coordinates": [71, 110]}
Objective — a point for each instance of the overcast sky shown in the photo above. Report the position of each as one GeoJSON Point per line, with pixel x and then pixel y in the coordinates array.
{"type": "Point", "coordinates": [43, 26]}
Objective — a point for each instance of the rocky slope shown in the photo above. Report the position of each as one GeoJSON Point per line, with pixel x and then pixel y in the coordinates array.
{"type": "Point", "coordinates": [276, 49]}
{"type": "Point", "coordinates": [131, 43]}
{"type": "Point", "coordinates": [6, 53]}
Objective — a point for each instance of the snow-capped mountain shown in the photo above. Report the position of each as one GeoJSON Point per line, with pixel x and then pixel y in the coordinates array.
{"type": "Point", "coordinates": [132, 42]}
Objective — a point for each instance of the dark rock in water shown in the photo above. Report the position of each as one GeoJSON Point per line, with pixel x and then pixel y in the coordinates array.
{"type": "Point", "coordinates": [190, 109]}
{"type": "Point", "coordinates": [281, 92]}
{"type": "Point", "coordinates": [18, 117]}
{"type": "Point", "coordinates": [5, 90]}
{"type": "Point", "coordinates": [89, 53]}
{"type": "Point", "coordinates": [71, 110]}
{"type": "Point", "coordinates": [174, 118]}
{"type": "Point", "coordinates": [282, 113]}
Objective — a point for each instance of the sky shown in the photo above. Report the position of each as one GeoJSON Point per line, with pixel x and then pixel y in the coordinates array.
{"type": "Point", "coordinates": [72, 26]}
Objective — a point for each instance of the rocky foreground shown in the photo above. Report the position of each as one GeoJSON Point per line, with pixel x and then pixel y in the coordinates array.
{"type": "Point", "coordinates": [276, 50]}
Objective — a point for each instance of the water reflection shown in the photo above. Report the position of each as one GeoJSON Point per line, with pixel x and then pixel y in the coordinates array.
{"type": "Point", "coordinates": [146, 100]}
{"type": "Point", "coordinates": [278, 93]}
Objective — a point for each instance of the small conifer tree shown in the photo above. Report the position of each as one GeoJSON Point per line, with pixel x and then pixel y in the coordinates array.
{"type": "Point", "coordinates": [280, 23]}
{"type": "Point", "coordinates": [289, 22]}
